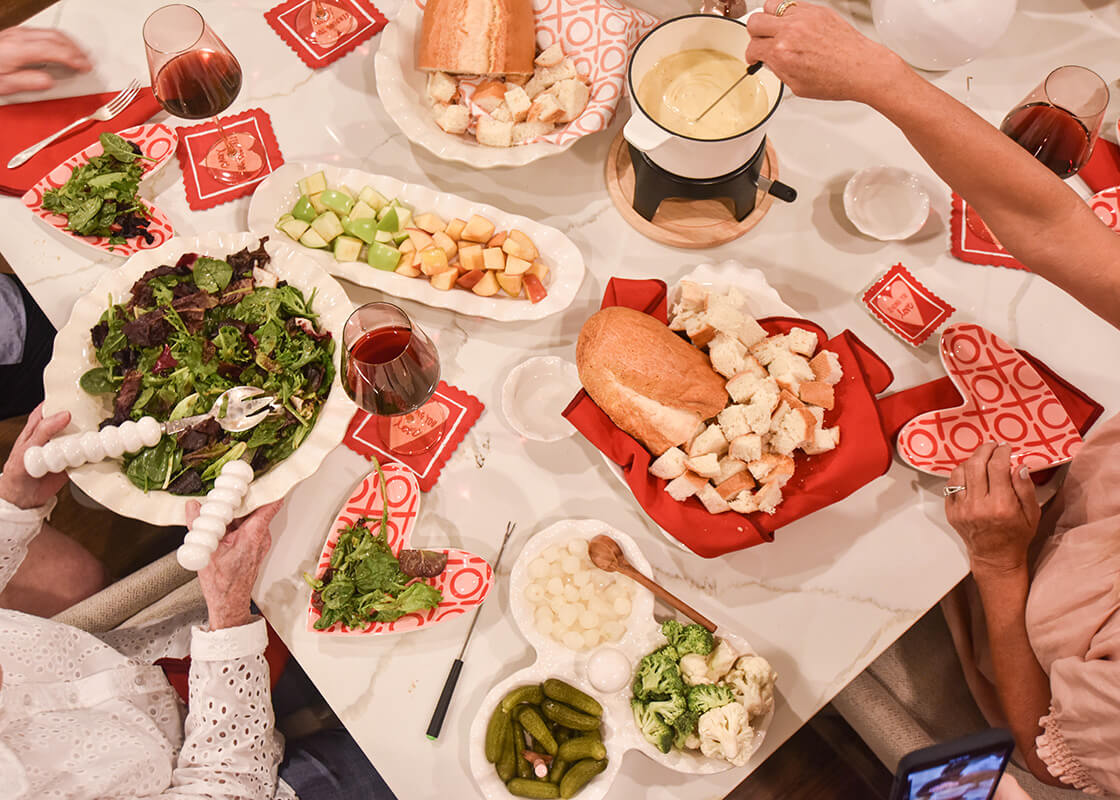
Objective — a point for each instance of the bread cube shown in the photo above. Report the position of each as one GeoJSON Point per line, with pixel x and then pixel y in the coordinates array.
{"type": "Point", "coordinates": [669, 465]}
{"type": "Point", "coordinates": [790, 399]}
{"type": "Point", "coordinates": [802, 342]}
{"type": "Point", "coordinates": [679, 319]}
{"type": "Point", "coordinates": [711, 440]}
{"type": "Point", "coordinates": [744, 503]}
{"type": "Point", "coordinates": [693, 297]}
{"type": "Point", "coordinates": [685, 486]}
{"type": "Point", "coordinates": [746, 448]}
{"type": "Point", "coordinates": [768, 349]}
{"type": "Point", "coordinates": [724, 316]}
{"type": "Point", "coordinates": [493, 132]}
{"type": "Point", "coordinates": [572, 94]}
{"type": "Point", "coordinates": [727, 355]}
{"type": "Point", "coordinates": [545, 108]}
{"type": "Point", "coordinates": [453, 119]}
{"type": "Point", "coordinates": [826, 367]}
{"type": "Point", "coordinates": [790, 369]}
{"type": "Point", "coordinates": [795, 429]}
{"type": "Point", "coordinates": [750, 332]}
{"type": "Point", "coordinates": [535, 85]}
{"type": "Point", "coordinates": [735, 421]}
{"type": "Point", "coordinates": [525, 132]}
{"type": "Point", "coordinates": [442, 88]}
{"type": "Point", "coordinates": [727, 467]}
{"type": "Point", "coordinates": [736, 298]}
{"type": "Point", "coordinates": [761, 408]}
{"type": "Point", "coordinates": [818, 393]}
{"type": "Point", "coordinates": [737, 483]}
{"type": "Point", "coordinates": [706, 465]}
{"type": "Point", "coordinates": [550, 76]}
{"type": "Point", "coordinates": [761, 469]}
{"type": "Point", "coordinates": [824, 439]}
{"type": "Point", "coordinates": [489, 94]}
{"type": "Point", "coordinates": [712, 499]}
{"type": "Point", "coordinates": [768, 497]}
{"type": "Point", "coordinates": [743, 385]}
{"type": "Point", "coordinates": [778, 415]}
{"type": "Point", "coordinates": [818, 414]}
{"type": "Point", "coordinates": [518, 102]}
{"type": "Point", "coordinates": [550, 56]}
{"type": "Point", "coordinates": [502, 113]}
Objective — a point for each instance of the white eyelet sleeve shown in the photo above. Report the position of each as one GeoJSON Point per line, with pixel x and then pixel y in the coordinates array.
{"type": "Point", "coordinates": [18, 526]}
{"type": "Point", "coordinates": [231, 748]}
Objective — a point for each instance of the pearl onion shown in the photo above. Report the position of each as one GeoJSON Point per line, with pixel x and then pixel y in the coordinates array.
{"type": "Point", "coordinates": [130, 436]}
{"type": "Point", "coordinates": [573, 640]}
{"type": "Point", "coordinates": [91, 446]}
{"type": "Point", "coordinates": [111, 441]}
{"type": "Point", "coordinates": [193, 557]}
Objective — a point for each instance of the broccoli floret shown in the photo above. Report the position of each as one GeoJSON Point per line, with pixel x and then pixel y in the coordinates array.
{"type": "Point", "coordinates": [706, 696]}
{"type": "Point", "coordinates": [669, 710]}
{"type": "Point", "coordinates": [691, 638]}
{"type": "Point", "coordinates": [669, 651]}
{"type": "Point", "coordinates": [653, 729]}
{"type": "Point", "coordinates": [657, 675]}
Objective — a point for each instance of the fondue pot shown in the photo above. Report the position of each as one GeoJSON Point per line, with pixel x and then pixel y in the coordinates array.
{"type": "Point", "coordinates": [682, 155]}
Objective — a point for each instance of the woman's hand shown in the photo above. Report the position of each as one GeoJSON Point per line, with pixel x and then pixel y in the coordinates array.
{"type": "Point", "coordinates": [997, 513]}
{"type": "Point", "coordinates": [21, 48]}
{"type": "Point", "coordinates": [228, 579]}
{"type": "Point", "coordinates": [818, 54]}
{"type": "Point", "coordinates": [16, 486]}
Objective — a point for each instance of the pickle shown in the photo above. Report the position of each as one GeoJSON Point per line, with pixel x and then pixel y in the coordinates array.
{"type": "Point", "coordinates": [561, 733]}
{"type": "Point", "coordinates": [570, 695]}
{"type": "Point", "coordinates": [569, 717]}
{"type": "Point", "coordinates": [524, 769]}
{"type": "Point", "coordinates": [522, 694]}
{"type": "Point", "coordinates": [557, 769]}
{"type": "Point", "coordinates": [507, 761]}
{"type": "Point", "coordinates": [579, 775]}
{"type": "Point", "coordinates": [495, 732]}
{"type": "Point", "coordinates": [526, 787]}
{"type": "Point", "coordinates": [580, 748]}
{"type": "Point", "coordinates": [533, 723]}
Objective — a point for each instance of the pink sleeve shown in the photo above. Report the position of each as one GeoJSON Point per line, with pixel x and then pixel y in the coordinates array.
{"type": "Point", "coordinates": [1080, 743]}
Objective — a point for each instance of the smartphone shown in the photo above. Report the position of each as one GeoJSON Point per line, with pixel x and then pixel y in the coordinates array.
{"type": "Point", "coordinates": [963, 769]}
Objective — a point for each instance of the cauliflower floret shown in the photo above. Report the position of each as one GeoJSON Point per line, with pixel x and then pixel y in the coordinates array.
{"type": "Point", "coordinates": [694, 669]}
{"type": "Point", "coordinates": [692, 742]}
{"type": "Point", "coordinates": [720, 661]}
{"type": "Point", "coordinates": [752, 679]}
{"type": "Point", "coordinates": [725, 733]}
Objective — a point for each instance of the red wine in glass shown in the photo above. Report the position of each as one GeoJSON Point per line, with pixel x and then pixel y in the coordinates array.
{"type": "Point", "coordinates": [1051, 134]}
{"type": "Point", "coordinates": [391, 369]}
{"type": "Point", "coordinates": [198, 84]}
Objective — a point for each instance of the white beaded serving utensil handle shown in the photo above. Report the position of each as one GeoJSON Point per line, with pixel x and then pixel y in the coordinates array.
{"type": "Point", "coordinates": [237, 409]}
{"type": "Point", "coordinates": [217, 512]}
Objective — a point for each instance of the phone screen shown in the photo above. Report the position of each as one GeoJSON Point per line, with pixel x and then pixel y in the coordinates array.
{"type": "Point", "coordinates": [972, 776]}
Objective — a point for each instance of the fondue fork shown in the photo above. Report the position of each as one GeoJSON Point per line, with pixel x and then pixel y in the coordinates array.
{"type": "Point", "coordinates": [751, 70]}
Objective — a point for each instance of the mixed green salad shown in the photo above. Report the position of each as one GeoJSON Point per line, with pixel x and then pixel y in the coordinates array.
{"type": "Point", "coordinates": [366, 583]}
{"type": "Point", "coordinates": [186, 334]}
{"type": "Point", "coordinates": [100, 198]}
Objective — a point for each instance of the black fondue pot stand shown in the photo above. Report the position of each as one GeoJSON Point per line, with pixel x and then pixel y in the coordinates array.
{"type": "Point", "coordinates": [652, 184]}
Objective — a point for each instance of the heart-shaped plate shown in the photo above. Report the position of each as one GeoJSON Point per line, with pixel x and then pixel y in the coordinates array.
{"type": "Point", "coordinates": [155, 141]}
{"type": "Point", "coordinates": [464, 583]}
{"type": "Point", "coordinates": [1005, 400]}
{"type": "Point", "coordinates": [1106, 205]}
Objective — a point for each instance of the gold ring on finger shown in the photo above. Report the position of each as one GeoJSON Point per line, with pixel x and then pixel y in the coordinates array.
{"type": "Point", "coordinates": [784, 6]}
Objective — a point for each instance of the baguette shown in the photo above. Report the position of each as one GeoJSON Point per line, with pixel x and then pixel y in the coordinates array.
{"type": "Point", "coordinates": [477, 37]}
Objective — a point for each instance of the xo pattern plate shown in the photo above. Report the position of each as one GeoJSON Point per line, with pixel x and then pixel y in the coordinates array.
{"type": "Point", "coordinates": [554, 660]}
{"type": "Point", "coordinates": [1106, 205]}
{"type": "Point", "coordinates": [1005, 400]}
{"type": "Point", "coordinates": [155, 141]}
{"type": "Point", "coordinates": [464, 583]}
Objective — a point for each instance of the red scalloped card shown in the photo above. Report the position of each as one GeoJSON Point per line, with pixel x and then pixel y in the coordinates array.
{"type": "Point", "coordinates": [203, 190]}
{"type": "Point", "coordinates": [971, 241]}
{"type": "Point", "coordinates": [905, 306]}
{"type": "Point", "coordinates": [449, 405]}
{"type": "Point", "coordinates": [290, 17]}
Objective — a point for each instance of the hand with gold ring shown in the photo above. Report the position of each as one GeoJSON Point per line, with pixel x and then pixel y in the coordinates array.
{"type": "Point", "coordinates": [997, 513]}
{"type": "Point", "coordinates": [817, 53]}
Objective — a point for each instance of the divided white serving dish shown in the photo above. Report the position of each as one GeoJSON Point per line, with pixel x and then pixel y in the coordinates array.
{"type": "Point", "coordinates": [74, 354]}
{"type": "Point", "coordinates": [278, 193]}
{"type": "Point", "coordinates": [554, 660]}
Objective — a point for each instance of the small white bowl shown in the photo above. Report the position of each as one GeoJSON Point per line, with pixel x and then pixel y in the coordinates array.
{"type": "Point", "coordinates": [536, 393]}
{"type": "Point", "coordinates": [886, 203]}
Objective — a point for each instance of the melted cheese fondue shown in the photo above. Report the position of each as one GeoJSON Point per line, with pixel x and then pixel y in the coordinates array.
{"type": "Point", "coordinates": [679, 87]}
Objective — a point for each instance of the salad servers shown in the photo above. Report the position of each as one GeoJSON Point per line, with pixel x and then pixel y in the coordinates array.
{"type": "Point", "coordinates": [237, 409]}
{"type": "Point", "coordinates": [103, 114]}
{"type": "Point", "coordinates": [217, 512]}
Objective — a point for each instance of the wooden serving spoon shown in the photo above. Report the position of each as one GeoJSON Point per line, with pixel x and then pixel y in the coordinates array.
{"type": "Point", "coordinates": [608, 556]}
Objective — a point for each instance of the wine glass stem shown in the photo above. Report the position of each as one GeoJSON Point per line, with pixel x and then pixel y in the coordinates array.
{"type": "Point", "coordinates": [318, 12]}
{"type": "Point", "coordinates": [227, 140]}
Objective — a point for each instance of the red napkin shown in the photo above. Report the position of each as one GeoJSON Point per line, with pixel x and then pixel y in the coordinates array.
{"type": "Point", "coordinates": [283, 19]}
{"type": "Point", "coordinates": [901, 407]}
{"type": "Point", "coordinates": [1102, 171]}
{"type": "Point", "coordinates": [863, 455]}
{"type": "Point", "coordinates": [967, 245]}
{"type": "Point", "coordinates": [459, 409]}
{"type": "Point", "coordinates": [26, 123]}
{"type": "Point", "coordinates": [203, 191]}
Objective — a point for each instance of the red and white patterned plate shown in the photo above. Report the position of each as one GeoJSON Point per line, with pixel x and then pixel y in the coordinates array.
{"type": "Point", "coordinates": [1106, 205]}
{"type": "Point", "coordinates": [155, 141]}
{"type": "Point", "coordinates": [1005, 401]}
{"type": "Point", "coordinates": [464, 583]}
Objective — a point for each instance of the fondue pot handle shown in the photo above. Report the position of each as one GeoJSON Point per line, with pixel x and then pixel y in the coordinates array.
{"type": "Point", "coordinates": [644, 134]}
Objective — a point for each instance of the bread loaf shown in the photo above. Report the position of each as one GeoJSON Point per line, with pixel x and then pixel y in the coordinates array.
{"type": "Point", "coordinates": [650, 382]}
{"type": "Point", "coordinates": [477, 37]}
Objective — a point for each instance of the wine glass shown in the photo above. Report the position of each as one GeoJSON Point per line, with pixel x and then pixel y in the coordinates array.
{"type": "Point", "coordinates": [195, 76]}
{"type": "Point", "coordinates": [323, 24]}
{"type": "Point", "coordinates": [391, 369]}
{"type": "Point", "coordinates": [1058, 123]}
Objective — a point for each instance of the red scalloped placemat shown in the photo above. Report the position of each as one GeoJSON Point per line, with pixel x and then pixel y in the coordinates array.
{"type": "Point", "coordinates": [282, 19]}
{"type": "Point", "coordinates": [203, 191]}
{"type": "Point", "coordinates": [462, 409]}
{"type": "Point", "coordinates": [969, 246]}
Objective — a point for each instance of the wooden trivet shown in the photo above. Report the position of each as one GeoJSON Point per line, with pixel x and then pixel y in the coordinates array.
{"type": "Point", "coordinates": [692, 224]}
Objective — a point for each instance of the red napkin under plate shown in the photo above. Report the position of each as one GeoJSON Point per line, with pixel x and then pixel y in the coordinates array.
{"type": "Point", "coordinates": [1102, 171]}
{"type": "Point", "coordinates": [864, 452]}
{"type": "Point", "coordinates": [26, 123]}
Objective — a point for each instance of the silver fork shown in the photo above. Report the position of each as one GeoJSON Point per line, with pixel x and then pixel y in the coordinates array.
{"type": "Point", "coordinates": [103, 114]}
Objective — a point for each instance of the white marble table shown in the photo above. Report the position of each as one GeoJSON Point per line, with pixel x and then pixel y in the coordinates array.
{"type": "Point", "coordinates": [823, 600]}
